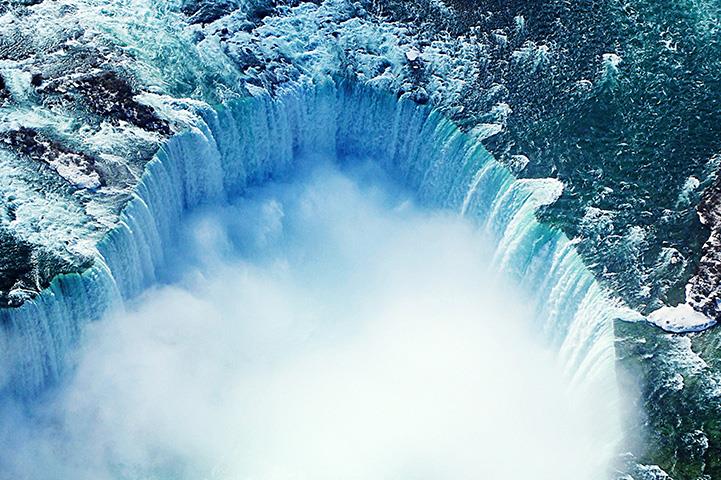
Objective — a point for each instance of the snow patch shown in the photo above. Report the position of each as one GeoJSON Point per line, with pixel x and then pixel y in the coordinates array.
{"type": "Point", "coordinates": [680, 319]}
{"type": "Point", "coordinates": [76, 171]}
{"type": "Point", "coordinates": [484, 131]}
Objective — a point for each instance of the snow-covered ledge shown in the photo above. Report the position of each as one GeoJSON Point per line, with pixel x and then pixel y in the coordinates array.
{"type": "Point", "coordinates": [682, 318]}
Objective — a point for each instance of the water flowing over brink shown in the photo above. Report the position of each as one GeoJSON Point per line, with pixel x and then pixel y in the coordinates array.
{"type": "Point", "coordinates": [250, 141]}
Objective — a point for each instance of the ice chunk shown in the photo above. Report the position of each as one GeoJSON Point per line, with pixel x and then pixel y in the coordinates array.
{"type": "Point", "coordinates": [681, 319]}
{"type": "Point", "coordinates": [412, 55]}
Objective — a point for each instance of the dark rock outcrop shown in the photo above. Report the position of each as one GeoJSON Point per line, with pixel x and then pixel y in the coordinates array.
{"type": "Point", "coordinates": [704, 292]}
{"type": "Point", "coordinates": [106, 95]}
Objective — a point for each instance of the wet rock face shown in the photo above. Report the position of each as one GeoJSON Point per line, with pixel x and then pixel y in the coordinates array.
{"type": "Point", "coordinates": [77, 168]}
{"type": "Point", "coordinates": [106, 95]}
{"type": "Point", "coordinates": [205, 11]}
{"type": "Point", "coordinates": [26, 269]}
{"type": "Point", "coordinates": [26, 141]}
{"type": "Point", "coordinates": [16, 267]}
{"type": "Point", "coordinates": [111, 97]}
{"type": "Point", "coordinates": [705, 287]}
{"type": "Point", "coordinates": [4, 93]}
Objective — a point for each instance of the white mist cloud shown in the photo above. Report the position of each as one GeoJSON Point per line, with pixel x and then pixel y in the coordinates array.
{"type": "Point", "coordinates": [323, 329]}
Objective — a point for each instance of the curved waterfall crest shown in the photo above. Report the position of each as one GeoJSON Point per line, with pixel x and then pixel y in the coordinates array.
{"type": "Point", "coordinates": [249, 141]}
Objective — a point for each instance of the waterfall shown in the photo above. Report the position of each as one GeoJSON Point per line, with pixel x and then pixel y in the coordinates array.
{"type": "Point", "coordinates": [249, 141]}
